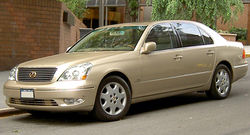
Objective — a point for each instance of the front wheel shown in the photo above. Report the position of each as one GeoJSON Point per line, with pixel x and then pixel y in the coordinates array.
{"type": "Point", "coordinates": [113, 99]}
{"type": "Point", "coordinates": [221, 83]}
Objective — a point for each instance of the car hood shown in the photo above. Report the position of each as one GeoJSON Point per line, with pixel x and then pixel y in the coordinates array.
{"type": "Point", "coordinates": [69, 59]}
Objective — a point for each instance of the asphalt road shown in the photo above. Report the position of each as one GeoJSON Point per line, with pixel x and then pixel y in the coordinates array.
{"type": "Point", "coordinates": [189, 114]}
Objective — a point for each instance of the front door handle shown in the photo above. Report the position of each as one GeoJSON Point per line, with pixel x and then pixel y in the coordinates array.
{"type": "Point", "coordinates": [210, 52]}
{"type": "Point", "coordinates": [178, 57]}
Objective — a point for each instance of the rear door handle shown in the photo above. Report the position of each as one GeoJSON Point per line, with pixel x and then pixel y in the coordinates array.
{"type": "Point", "coordinates": [178, 57]}
{"type": "Point", "coordinates": [210, 52]}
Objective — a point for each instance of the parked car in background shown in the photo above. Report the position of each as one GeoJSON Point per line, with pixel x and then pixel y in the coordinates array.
{"type": "Point", "coordinates": [118, 65]}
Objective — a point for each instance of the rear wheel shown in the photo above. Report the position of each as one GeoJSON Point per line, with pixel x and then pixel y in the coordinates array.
{"type": "Point", "coordinates": [221, 83]}
{"type": "Point", "coordinates": [113, 99]}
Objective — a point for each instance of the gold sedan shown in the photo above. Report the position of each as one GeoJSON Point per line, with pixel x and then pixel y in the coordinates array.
{"type": "Point", "coordinates": [115, 66]}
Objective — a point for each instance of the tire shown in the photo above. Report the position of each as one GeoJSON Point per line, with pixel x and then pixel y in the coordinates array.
{"type": "Point", "coordinates": [113, 99]}
{"type": "Point", "coordinates": [221, 83]}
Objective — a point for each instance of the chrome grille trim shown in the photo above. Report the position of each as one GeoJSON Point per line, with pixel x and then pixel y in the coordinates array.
{"type": "Point", "coordinates": [42, 74]}
{"type": "Point", "coordinates": [37, 102]}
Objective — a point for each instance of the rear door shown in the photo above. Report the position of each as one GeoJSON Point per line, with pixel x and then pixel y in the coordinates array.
{"type": "Point", "coordinates": [197, 55]}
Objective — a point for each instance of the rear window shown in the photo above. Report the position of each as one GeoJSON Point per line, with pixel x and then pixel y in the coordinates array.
{"type": "Point", "coordinates": [189, 34]}
{"type": "Point", "coordinates": [207, 39]}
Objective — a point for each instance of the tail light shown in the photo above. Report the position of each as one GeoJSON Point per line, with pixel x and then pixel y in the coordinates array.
{"type": "Point", "coordinates": [244, 54]}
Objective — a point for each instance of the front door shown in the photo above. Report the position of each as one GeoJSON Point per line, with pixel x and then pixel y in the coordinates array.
{"type": "Point", "coordinates": [160, 67]}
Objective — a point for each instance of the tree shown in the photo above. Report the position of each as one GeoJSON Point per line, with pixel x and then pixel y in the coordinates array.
{"type": "Point", "coordinates": [205, 11]}
{"type": "Point", "coordinates": [78, 7]}
{"type": "Point", "coordinates": [131, 10]}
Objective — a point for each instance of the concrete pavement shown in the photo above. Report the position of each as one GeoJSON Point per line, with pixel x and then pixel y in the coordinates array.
{"type": "Point", "coordinates": [4, 76]}
{"type": "Point", "coordinates": [4, 109]}
{"type": "Point", "coordinates": [247, 48]}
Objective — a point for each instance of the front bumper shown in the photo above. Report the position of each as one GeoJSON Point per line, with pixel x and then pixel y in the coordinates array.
{"type": "Point", "coordinates": [50, 96]}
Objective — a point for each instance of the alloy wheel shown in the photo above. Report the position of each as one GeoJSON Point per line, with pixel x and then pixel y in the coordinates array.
{"type": "Point", "coordinates": [113, 98]}
{"type": "Point", "coordinates": [222, 82]}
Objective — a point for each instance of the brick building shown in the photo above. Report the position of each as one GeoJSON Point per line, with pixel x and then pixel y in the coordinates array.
{"type": "Point", "coordinates": [243, 21]}
{"type": "Point", "coordinates": [114, 11]}
{"type": "Point", "coordinates": [32, 29]}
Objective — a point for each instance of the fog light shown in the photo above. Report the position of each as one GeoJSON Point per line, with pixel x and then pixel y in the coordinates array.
{"type": "Point", "coordinates": [71, 101]}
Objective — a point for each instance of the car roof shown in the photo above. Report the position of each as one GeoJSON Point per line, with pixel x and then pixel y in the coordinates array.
{"type": "Point", "coordinates": [215, 36]}
{"type": "Point", "coordinates": [145, 23]}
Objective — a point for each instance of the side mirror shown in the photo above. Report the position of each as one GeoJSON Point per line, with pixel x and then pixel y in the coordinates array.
{"type": "Point", "coordinates": [68, 48]}
{"type": "Point", "coordinates": [148, 47]}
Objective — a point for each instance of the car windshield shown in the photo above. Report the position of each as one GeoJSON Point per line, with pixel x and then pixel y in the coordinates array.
{"type": "Point", "coordinates": [110, 39]}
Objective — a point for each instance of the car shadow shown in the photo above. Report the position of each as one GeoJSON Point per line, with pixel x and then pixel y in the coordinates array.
{"type": "Point", "coordinates": [169, 102]}
{"type": "Point", "coordinates": [78, 118]}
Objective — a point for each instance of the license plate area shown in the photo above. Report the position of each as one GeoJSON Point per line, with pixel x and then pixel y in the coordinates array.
{"type": "Point", "coordinates": [27, 93]}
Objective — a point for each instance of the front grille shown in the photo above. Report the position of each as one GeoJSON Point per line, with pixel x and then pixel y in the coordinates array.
{"type": "Point", "coordinates": [42, 74]}
{"type": "Point", "coordinates": [38, 102]}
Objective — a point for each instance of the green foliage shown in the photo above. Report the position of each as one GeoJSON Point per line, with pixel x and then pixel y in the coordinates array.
{"type": "Point", "coordinates": [241, 33]}
{"type": "Point", "coordinates": [223, 31]}
{"type": "Point", "coordinates": [132, 7]}
{"type": "Point", "coordinates": [76, 6]}
{"type": "Point", "coordinates": [205, 11]}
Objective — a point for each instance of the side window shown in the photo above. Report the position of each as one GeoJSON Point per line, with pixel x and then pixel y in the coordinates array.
{"type": "Point", "coordinates": [189, 34]}
{"type": "Point", "coordinates": [206, 37]}
{"type": "Point", "coordinates": [164, 37]}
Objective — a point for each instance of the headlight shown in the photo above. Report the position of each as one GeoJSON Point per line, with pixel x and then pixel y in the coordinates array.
{"type": "Point", "coordinates": [13, 73]}
{"type": "Point", "coordinates": [78, 72]}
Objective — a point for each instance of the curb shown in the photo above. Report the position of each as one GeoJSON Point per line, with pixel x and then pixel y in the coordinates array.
{"type": "Point", "coordinates": [10, 111]}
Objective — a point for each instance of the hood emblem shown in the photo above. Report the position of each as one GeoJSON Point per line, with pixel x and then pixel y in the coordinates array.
{"type": "Point", "coordinates": [32, 74]}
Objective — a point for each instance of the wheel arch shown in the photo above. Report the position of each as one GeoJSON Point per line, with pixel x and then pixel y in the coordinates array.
{"type": "Point", "coordinates": [120, 74]}
{"type": "Point", "coordinates": [229, 66]}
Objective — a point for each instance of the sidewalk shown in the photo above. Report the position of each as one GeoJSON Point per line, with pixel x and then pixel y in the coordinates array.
{"type": "Point", "coordinates": [4, 109]}
{"type": "Point", "coordinates": [247, 48]}
{"type": "Point", "coordinates": [3, 77]}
